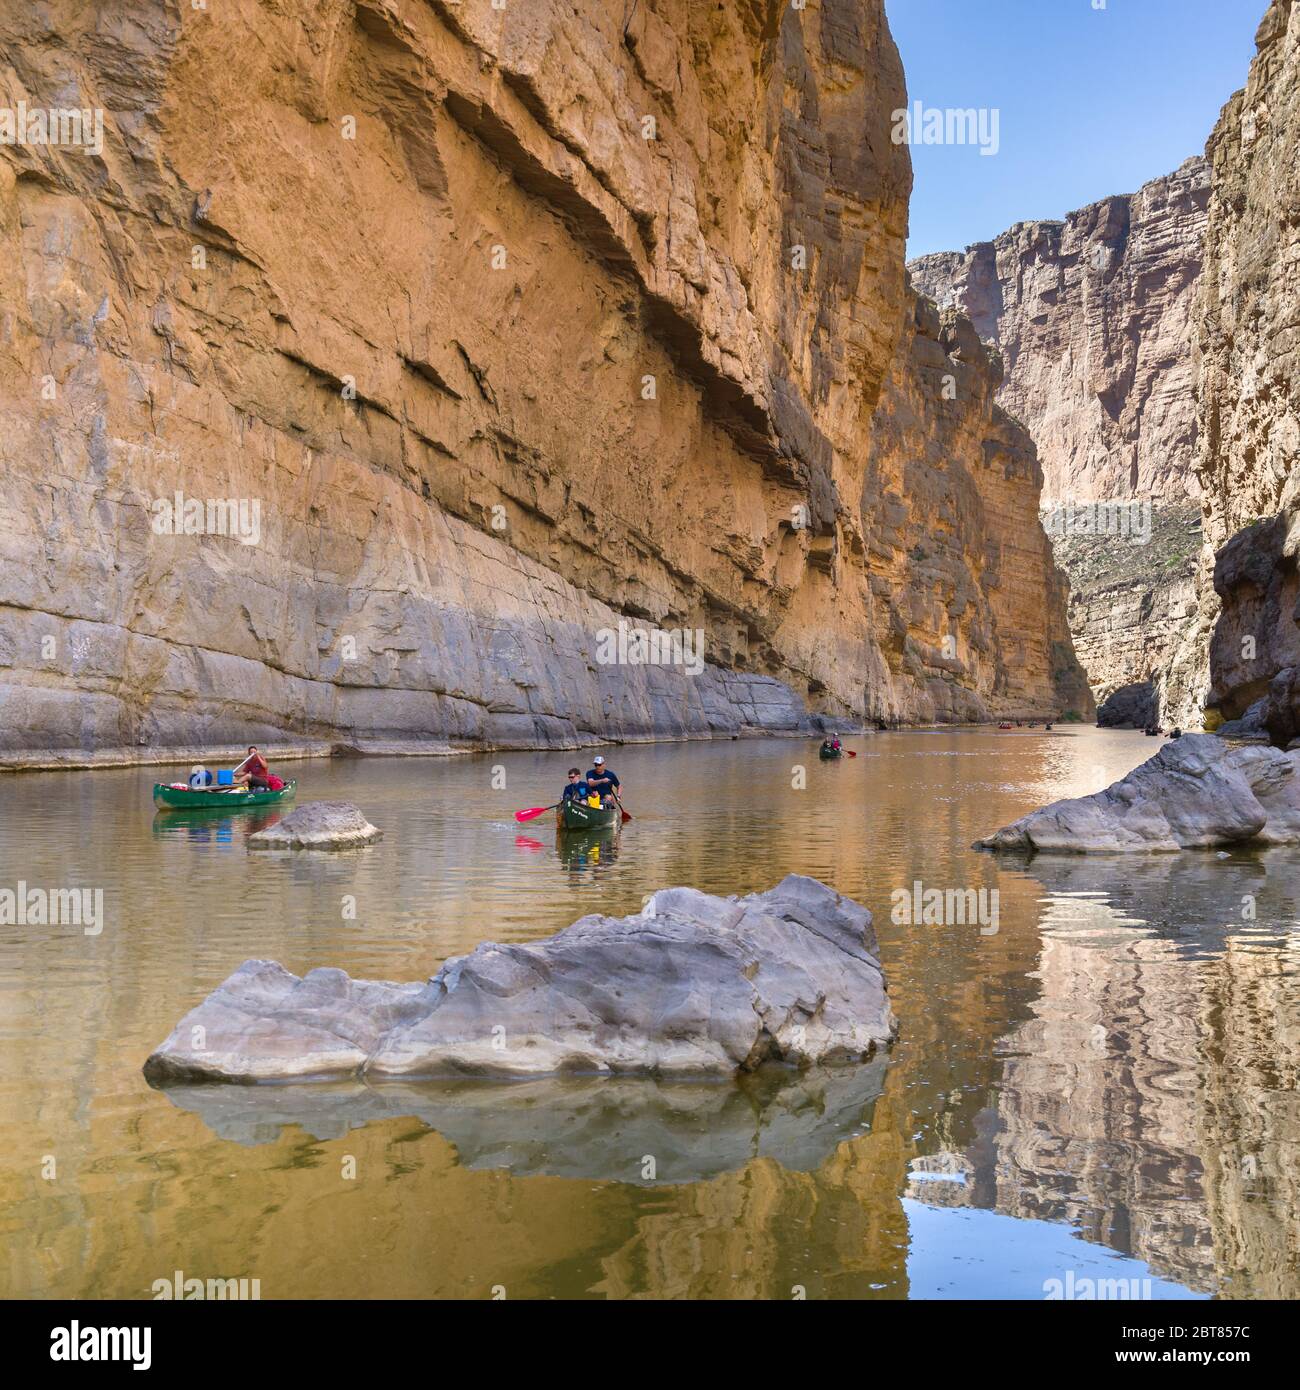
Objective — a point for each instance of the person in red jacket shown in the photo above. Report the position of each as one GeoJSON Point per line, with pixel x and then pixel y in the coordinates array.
{"type": "Point", "coordinates": [255, 771]}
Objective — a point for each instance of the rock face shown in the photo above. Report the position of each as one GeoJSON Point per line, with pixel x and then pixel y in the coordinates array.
{"type": "Point", "coordinates": [975, 608]}
{"type": "Point", "coordinates": [1249, 353]}
{"type": "Point", "coordinates": [1196, 793]}
{"type": "Point", "coordinates": [695, 985]}
{"type": "Point", "coordinates": [1131, 607]}
{"type": "Point", "coordinates": [495, 329]}
{"type": "Point", "coordinates": [318, 825]}
{"type": "Point", "coordinates": [1093, 317]}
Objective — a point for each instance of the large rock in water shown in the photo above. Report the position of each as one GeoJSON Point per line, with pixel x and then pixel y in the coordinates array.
{"type": "Point", "coordinates": [694, 985]}
{"type": "Point", "coordinates": [1197, 792]}
{"type": "Point", "coordinates": [318, 825]}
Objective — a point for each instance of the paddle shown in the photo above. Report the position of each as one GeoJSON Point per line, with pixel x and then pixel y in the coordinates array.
{"type": "Point", "coordinates": [533, 812]}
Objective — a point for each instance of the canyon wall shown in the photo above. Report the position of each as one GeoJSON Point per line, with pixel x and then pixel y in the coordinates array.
{"type": "Point", "coordinates": [504, 327]}
{"type": "Point", "coordinates": [975, 606]}
{"type": "Point", "coordinates": [1247, 636]}
{"type": "Point", "coordinates": [1093, 316]}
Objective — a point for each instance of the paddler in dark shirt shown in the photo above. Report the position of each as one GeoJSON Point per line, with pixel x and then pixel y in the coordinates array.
{"type": "Point", "coordinates": [603, 780]}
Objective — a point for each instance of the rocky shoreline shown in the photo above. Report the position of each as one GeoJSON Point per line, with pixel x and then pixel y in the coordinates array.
{"type": "Point", "coordinates": [75, 760]}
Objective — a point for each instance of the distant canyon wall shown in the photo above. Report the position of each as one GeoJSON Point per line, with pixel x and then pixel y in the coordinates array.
{"type": "Point", "coordinates": [1094, 316]}
{"type": "Point", "coordinates": [514, 324]}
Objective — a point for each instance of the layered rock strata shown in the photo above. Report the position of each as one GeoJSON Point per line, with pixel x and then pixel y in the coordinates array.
{"type": "Point", "coordinates": [1093, 316]}
{"type": "Point", "coordinates": [1246, 646]}
{"type": "Point", "coordinates": [384, 356]}
{"type": "Point", "coordinates": [1132, 602]}
{"type": "Point", "coordinates": [695, 984]}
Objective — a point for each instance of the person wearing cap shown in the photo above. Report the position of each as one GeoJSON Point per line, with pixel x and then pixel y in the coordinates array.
{"type": "Point", "coordinates": [603, 779]}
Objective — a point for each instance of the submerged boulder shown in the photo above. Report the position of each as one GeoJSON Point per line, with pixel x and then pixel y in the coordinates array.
{"type": "Point", "coordinates": [1197, 792]}
{"type": "Point", "coordinates": [693, 985]}
{"type": "Point", "coordinates": [318, 825]}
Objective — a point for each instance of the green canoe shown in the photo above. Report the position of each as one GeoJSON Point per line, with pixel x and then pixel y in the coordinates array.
{"type": "Point", "coordinates": [828, 753]}
{"type": "Point", "coordinates": [573, 815]}
{"type": "Point", "coordinates": [217, 798]}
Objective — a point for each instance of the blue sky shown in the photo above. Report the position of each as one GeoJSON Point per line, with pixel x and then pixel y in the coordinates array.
{"type": "Point", "coordinates": [1090, 101]}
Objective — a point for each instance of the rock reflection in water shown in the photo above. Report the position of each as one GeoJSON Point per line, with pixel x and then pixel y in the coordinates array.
{"type": "Point", "coordinates": [1151, 1100]}
{"type": "Point", "coordinates": [598, 1128]}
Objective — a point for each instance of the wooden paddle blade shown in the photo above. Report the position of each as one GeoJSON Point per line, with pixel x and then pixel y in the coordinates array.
{"type": "Point", "coordinates": [532, 813]}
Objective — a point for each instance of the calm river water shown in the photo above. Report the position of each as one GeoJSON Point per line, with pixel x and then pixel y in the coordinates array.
{"type": "Point", "coordinates": [1102, 1088]}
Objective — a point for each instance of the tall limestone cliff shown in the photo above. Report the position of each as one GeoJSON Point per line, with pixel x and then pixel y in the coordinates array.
{"type": "Point", "coordinates": [1243, 658]}
{"type": "Point", "coordinates": [1093, 316]}
{"type": "Point", "coordinates": [503, 327]}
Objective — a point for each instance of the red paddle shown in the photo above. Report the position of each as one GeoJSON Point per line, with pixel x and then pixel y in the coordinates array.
{"type": "Point", "coordinates": [533, 812]}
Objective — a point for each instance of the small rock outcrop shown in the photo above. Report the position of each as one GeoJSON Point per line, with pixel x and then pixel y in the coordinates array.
{"type": "Point", "coordinates": [318, 825]}
{"type": "Point", "coordinates": [1198, 792]}
{"type": "Point", "coordinates": [695, 985]}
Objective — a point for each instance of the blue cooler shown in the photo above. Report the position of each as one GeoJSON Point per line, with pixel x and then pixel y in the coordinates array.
{"type": "Point", "coordinates": [225, 777]}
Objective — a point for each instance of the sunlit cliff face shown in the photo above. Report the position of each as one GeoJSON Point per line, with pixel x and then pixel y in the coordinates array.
{"type": "Point", "coordinates": [512, 324]}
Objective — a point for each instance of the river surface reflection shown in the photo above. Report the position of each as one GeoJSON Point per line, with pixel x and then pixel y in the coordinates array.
{"type": "Point", "coordinates": [1105, 1087]}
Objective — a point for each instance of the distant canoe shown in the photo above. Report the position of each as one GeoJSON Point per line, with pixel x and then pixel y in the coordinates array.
{"type": "Point", "coordinates": [827, 754]}
{"type": "Point", "coordinates": [217, 798]}
{"type": "Point", "coordinates": [576, 815]}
